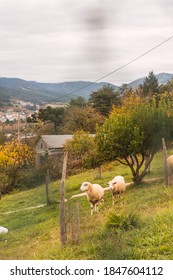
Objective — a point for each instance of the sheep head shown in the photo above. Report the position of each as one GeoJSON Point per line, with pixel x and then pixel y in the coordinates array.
{"type": "Point", "coordinates": [84, 187]}
{"type": "Point", "coordinates": [112, 184]}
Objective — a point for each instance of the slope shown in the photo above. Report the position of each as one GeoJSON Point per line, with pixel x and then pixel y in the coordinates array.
{"type": "Point", "coordinates": [163, 78]}
{"type": "Point", "coordinates": [51, 92]}
{"type": "Point", "coordinates": [34, 233]}
{"type": "Point", "coordinates": [43, 92]}
{"type": "Point", "coordinates": [5, 95]}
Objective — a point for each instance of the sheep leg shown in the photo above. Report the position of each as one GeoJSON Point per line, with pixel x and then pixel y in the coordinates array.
{"type": "Point", "coordinates": [113, 200]}
{"type": "Point", "coordinates": [171, 180]}
{"type": "Point", "coordinates": [119, 193]}
{"type": "Point", "coordinates": [96, 207]}
{"type": "Point", "coordinates": [92, 209]}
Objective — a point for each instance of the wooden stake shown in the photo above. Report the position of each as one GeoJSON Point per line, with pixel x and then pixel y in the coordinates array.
{"type": "Point", "coordinates": [47, 188]}
{"type": "Point", "coordinates": [63, 233]}
{"type": "Point", "coordinates": [78, 222]}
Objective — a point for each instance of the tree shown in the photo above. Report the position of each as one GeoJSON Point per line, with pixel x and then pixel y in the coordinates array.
{"type": "Point", "coordinates": [124, 90]}
{"type": "Point", "coordinates": [150, 86]}
{"type": "Point", "coordinates": [54, 115]}
{"type": "Point", "coordinates": [3, 138]}
{"type": "Point", "coordinates": [16, 154]}
{"type": "Point", "coordinates": [103, 99]}
{"type": "Point", "coordinates": [134, 132]}
{"type": "Point", "coordinates": [81, 118]}
{"type": "Point", "coordinates": [81, 152]}
{"type": "Point", "coordinates": [50, 114]}
{"type": "Point", "coordinates": [33, 118]}
{"type": "Point", "coordinates": [166, 87]}
{"type": "Point", "coordinates": [15, 157]}
{"type": "Point", "coordinates": [78, 102]}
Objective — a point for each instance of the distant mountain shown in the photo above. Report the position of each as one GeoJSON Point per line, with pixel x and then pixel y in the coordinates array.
{"type": "Point", "coordinates": [5, 95]}
{"type": "Point", "coordinates": [52, 92]}
{"type": "Point", "coordinates": [48, 92]}
{"type": "Point", "coordinates": [163, 78]}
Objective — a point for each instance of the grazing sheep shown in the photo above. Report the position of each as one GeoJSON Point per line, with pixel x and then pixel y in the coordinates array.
{"type": "Point", "coordinates": [170, 170]}
{"type": "Point", "coordinates": [94, 194]}
{"type": "Point", "coordinates": [117, 186]}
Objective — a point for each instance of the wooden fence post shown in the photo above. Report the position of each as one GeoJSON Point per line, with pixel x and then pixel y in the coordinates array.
{"type": "Point", "coordinates": [1, 185]}
{"type": "Point", "coordinates": [73, 222]}
{"type": "Point", "coordinates": [78, 222]}
{"type": "Point", "coordinates": [47, 188]}
{"type": "Point", "coordinates": [165, 161]}
{"type": "Point", "coordinates": [63, 233]}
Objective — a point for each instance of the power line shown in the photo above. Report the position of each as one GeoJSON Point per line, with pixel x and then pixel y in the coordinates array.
{"type": "Point", "coordinates": [119, 68]}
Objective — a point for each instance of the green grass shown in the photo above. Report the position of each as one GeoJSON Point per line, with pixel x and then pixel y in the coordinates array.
{"type": "Point", "coordinates": [142, 220]}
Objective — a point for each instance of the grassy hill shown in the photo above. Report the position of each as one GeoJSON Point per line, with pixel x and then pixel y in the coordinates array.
{"type": "Point", "coordinates": [142, 229]}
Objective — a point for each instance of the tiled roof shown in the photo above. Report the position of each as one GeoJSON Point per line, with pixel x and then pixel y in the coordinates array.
{"type": "Point", "coordinates": [55, 141]}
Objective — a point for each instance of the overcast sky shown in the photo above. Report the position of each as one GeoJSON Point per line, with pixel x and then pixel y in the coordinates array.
{"type": "Point", "coordinates": [72, 40]}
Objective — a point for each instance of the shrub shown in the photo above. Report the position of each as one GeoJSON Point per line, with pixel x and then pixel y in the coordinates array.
{"type": "Point", "coordinates": [13, 179]}
{"type": "Point", "coordinates": [122, 222]}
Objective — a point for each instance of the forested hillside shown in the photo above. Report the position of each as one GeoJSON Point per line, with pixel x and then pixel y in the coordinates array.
{"type": "Point", "coordinates": [37, 92]}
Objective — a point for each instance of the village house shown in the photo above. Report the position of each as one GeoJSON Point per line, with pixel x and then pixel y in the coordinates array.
{"type": "Point", "coordinates": [50, 145]}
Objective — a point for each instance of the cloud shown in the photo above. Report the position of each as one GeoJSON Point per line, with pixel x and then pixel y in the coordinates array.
{"type": "Point", "coordinates": [82, 40]}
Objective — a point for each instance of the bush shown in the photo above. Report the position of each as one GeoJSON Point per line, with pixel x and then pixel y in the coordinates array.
{"type": "Point", "coordinates": [12, 179]}
{"type": "Point", "coordinates": [122, 222]}
{"type": "Point", "coordinates": [30, 179]}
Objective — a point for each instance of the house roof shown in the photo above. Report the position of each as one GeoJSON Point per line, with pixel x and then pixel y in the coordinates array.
{"type": "Point", "coordinates": [55, 141]}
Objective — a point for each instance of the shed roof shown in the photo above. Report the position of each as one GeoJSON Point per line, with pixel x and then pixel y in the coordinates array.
{"type": "Point", "coordinates": [55, 141]}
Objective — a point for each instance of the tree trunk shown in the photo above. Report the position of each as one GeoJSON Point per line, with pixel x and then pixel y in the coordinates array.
{"type": "Point", "coordinates": [138, 177]}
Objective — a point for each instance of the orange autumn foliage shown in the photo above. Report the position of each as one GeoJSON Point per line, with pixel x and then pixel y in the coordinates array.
{"type": "Point", "coordinates": [16, 154]}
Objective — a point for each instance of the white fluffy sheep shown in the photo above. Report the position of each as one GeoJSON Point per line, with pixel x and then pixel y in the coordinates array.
{"type": "Point", "coordinates": [94, 194]}
{"type": "Point", "coordinates": [170, 170]}
{"type": "Point", "coordinates": [117, 186]}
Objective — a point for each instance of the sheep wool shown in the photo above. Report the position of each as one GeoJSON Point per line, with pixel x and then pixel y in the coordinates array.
{"type": "Point", "coordinates": [94, 193]}
{"type": "Point", "coordinates": [170, 170]}
{"type": "Point", "coordinates": [117, 186]}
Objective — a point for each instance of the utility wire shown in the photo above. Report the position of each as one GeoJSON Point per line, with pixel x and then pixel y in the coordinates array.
{"type": "Point", "coordinates": [119, 68]}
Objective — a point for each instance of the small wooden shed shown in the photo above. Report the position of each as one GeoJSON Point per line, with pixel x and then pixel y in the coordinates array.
{"type": "Point", "coordinates": [49, 145]}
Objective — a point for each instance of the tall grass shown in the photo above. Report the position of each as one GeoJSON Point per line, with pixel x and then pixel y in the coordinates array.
{"type": "Point", "coordinates": [138, 226]}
